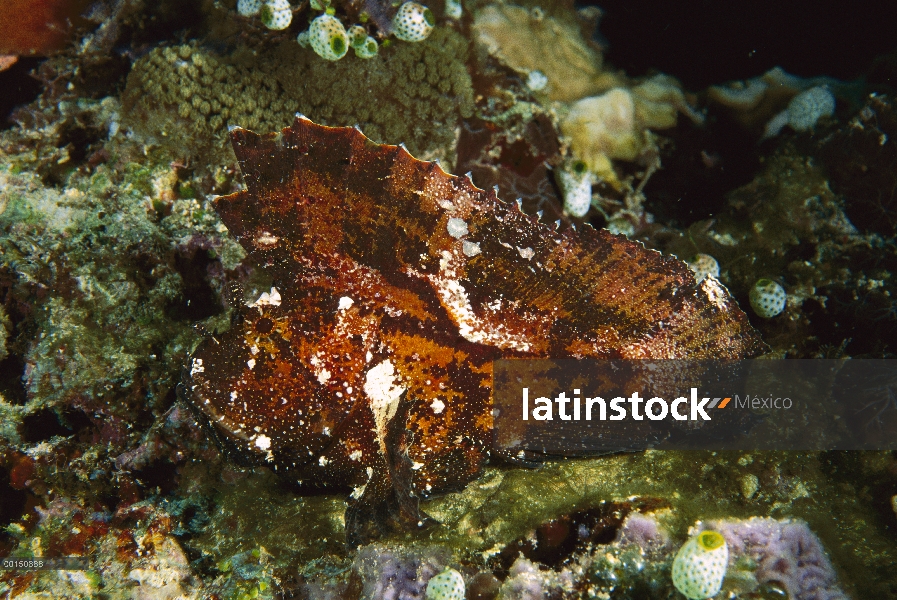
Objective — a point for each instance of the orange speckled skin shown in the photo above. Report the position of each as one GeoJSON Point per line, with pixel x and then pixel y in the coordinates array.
{"type": "Point", "coordinates": [369, 365]}
{"type": "Point", "coordinates": [38, 27]}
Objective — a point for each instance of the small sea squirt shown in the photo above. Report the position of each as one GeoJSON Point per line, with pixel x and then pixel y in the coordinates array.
{"type": "Point", "coordinates": [700, 565]}
{"type": "Point", "coordinates": [368, 366]}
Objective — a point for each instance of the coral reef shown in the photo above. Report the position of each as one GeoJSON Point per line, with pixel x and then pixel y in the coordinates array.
{"type": "Point", "coordinates": [526, 581]}
{"type": "Point", "coordinates": [395, 575]}
{"type": "Point", "coordinates": [603, 114]}
{"type": "Point", "coordinates": [860, 159]}
{"type": "Point", "coordinates": [795, 231]}
{"type": "Point", "coordinates": [423, 90]}
{"type": "Point", "coordinates": [114, 266]}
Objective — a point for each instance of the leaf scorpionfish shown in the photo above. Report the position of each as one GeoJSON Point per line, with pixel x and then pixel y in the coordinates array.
{"type": "Point", "coordinates": [368, 364]}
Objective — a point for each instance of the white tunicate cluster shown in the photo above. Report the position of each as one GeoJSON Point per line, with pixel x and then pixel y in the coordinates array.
{"type": "Point", "coordinates": [249, 8]}
{"type": "Point", "coordinates": [276, 14]}
{"type": "Point", "coordinates": [803, 111]}
{"type": "Point", "coordinates": [767, 298]}
{"type": "Point", "coordinates": [328, 37]}
{"type": "Point", "coordinates": [704, 266]}
{"type": "Point", "coordinates": [448, 585]}
{"type": "Point", "coordinates": [413, 22]}
{"type": "Point", "coordinates": [575, 181]}
{"type": "Point", "coordinates": [700, 565]}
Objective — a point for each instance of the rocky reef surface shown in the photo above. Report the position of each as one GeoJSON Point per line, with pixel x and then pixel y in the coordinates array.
{"type": "Point", "coordinates": [114, 266]}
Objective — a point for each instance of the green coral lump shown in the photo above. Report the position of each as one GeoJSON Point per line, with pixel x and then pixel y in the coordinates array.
{"type": "Point", "coordinates": [183, 99]}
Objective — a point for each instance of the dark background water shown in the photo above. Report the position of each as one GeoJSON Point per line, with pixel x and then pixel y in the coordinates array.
{"type": "Point", "coordinates": [704, 42]}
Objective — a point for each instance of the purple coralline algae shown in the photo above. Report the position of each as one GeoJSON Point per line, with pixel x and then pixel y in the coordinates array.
{"type": "Point", "coordinates": [644, 532]}
{"type": "Point", "coordinates": [526, 581]}
{"type": "Point", "coordinates": [785, 552]}
{"type": "Point", "coordinates": [394, 574]}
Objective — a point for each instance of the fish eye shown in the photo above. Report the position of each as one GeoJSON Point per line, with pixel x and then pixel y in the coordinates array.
{"type": "Point", "coordinates": [264, 325]}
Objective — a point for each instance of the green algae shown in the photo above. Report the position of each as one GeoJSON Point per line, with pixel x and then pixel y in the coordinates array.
{"type": "Point", "coordinates": [95, 261]}
{"type": "Point", "coordinates": [107, 318]}
{"type": "Point", "coordinates": [5, 326]}
{"type": "Point", "coordinates": [257, 511]}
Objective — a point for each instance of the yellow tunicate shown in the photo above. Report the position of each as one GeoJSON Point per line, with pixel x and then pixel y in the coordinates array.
{"type": "Point", "coordinates": [602, 128]}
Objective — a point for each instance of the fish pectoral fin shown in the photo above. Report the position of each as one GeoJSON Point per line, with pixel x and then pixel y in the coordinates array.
{"type": "Point", "coordinates": [382, 508]}
{"type": "Point", "coordinates": [367, 515]}
{"type": "Point", "coordinates": [388, 502]}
